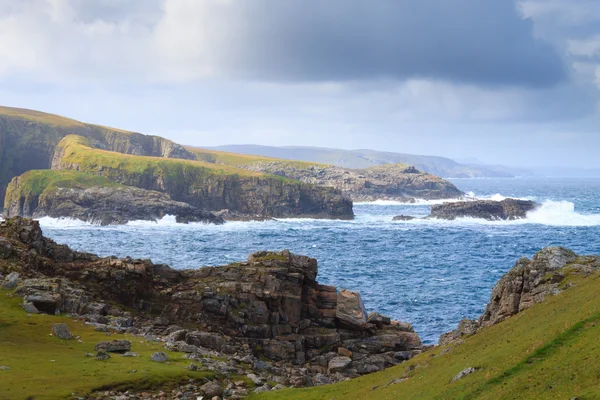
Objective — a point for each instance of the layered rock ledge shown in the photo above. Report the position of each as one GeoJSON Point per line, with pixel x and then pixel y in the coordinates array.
{"type": "Point", "coordinates": [269, 307]}
{"type": "Point", "coordinates": [508, 209]}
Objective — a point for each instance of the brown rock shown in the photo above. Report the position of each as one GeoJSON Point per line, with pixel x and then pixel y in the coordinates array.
{"type": "Point", "coordinates": [350, 309]}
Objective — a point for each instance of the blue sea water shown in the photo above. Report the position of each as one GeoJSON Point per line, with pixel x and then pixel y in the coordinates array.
{"type": "Point", "coordinates": [427, 272]}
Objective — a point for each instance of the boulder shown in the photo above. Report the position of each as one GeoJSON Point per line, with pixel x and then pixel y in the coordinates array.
{"type": "Point", "coordinates": [114, 346]}
{"type": "Point", "coordinates": [350, 309]}
{"type": "Point", "coordinates": [464, 372]}
{"type": "Point", "coordinates": [6, 248]}
{"type": "Point", "coordinates": [508, 209]}
{"type": "Point", "coordinates": [102, 355]}
{"type": "Point", "coordinates": [160, 357]}
{"type": "Point", "coordinates": [62, 331]}
{"type": "Point", "coordinates": [11, 281]}
{"type": "Point", "coordinates": [212, 389]}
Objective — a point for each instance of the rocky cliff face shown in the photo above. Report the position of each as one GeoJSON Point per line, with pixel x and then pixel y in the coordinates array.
{"type": "Point", "coordinates": [268, 306]}
{"type": "Point", "coordinates": [208, 188]}
{"type": "Point", "coordinates": [508, 209]}
{"type": "Point", "coordinates": [529, 282]}
{"type": "Point", "coordinates": [101, 205]}
{"type": "Point", "coordinates": [384, 182]}
{"type": "Point", "coordinates": [29, 138]}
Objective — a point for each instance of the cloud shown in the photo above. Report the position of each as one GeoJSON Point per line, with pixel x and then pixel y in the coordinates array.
{"type": "Point", "coordinates": [468, 41]}
{"type": "Point", "coordinates": [473, 41]}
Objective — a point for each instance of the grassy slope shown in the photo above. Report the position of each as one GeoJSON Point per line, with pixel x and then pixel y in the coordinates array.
{"type": "Point", "coordinates": [36, 182]}
{"type": "Point", "coordinates": [550, 351]}
{"type": "Point", "coordinates": [28, 349]}
{"type": "Point", "coordinates": [44, 118]}
{"type": "Point", "coordinates": [78, 151]}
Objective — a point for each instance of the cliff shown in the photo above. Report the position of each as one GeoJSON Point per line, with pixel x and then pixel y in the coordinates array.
{"type": "Point", "coordinates": [28, 140]}
{"type": "Point", "coordinates": [270, 307]}
{"type": "Point", "coordinates": [205, 185]}
{"type": "Point", "coordinates": [94, 199]}
{"type": "Point", "coordinates": [398, 182]}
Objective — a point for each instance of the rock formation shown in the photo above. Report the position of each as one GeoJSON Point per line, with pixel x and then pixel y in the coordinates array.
{"type": "Point", "coordinates": [508, 209]}
{"type": "Point", "coordinates": [383, 182]}
{"type": "Point", "coordinates": [37, 141]}
{"type": "Point", "coordinates": [270, 306]}
{"type": "Point", "coordinates": [103, 205]}
{"type": "Point", "coordinates": [527, 283]}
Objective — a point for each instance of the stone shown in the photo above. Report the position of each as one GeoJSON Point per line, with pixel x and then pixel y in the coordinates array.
{"type": "Point", "coordinates": [321, 379]}
{"type": "Point", "coordinates": [4, 368]}
{"type": "Point", "coordinates": [257, 380]}
{"type": "Point", "coordinates": [30, 308]}
{"type": "Point", "coordinates": [11, 281]}
{"type": "Point", "coordinates": [350, 309]}
{"type": "Point", "coordinates": [62, 331]}
{"type": "Point", "coordinates": [102, 355]}
{"type": "Point", "coordinates": [6, 248]}
{"type": "Point", "coordinates": [378, 319]}
{"type": "Point", "coordinates": [130, 354]}
{"type": "Point", "coordinates": [159, 357]}
{"type": "Point", "coordinates": [212, 389]}
{"type": "Point", "coordinates": [342, 351]}
{"type": "Point", "coordinates": [114, 346]}
{"type": "Point", "coordinates": [507, 209]}
{"type": "Point", "coordinates": [338, 364]}
{"type": "Point", "coordinates": [464, 372]}
{"type": "Point", "coordinates": [193, 367]}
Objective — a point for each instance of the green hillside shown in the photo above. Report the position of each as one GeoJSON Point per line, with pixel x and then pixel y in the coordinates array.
{"type": "Point", "coordinates": [550, 351]}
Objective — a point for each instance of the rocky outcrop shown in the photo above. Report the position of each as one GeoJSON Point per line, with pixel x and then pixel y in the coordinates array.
{"type": "Point", "coordinates": [270, 306]}
{"type": "Point", "coordinates": [531, 281]}
{"type": "Point", "coordinates": [384, 182]}
{"type": "Point", "coordinates": [102, 205]}
{"type": "Point", "coordinates": [508, 209]}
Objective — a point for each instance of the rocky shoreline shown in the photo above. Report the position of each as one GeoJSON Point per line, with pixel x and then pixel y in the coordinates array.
{"type": "Point", "coordinates": [268, 313]}
{"type": "Point", "coordinates": [267, 318]}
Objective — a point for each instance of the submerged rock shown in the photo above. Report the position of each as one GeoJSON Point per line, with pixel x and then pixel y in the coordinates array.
{"type": "Point", "coordinates": [403, 218]}
{"type": "Point", "coordinates": [508, 209]}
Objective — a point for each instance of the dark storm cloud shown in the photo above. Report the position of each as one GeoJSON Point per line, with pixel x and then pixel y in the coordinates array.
{"type": "Point", "coordinates": [474, 41]}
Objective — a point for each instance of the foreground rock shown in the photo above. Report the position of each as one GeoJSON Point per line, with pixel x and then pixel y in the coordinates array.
{"type": "Point", "coordinates": [529, 282]}
{"type": "Point", "coordinates": [508, 209]}
{"type": "Point", "coordinates": [268, 308]}
{"type": "Point", "coordinates": [383, 182]}
{"type": "Point", "coordinates": [102, 205]}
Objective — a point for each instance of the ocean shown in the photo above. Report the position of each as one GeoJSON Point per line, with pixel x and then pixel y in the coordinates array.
{"type": "Point", "coordinates": [430, 273]}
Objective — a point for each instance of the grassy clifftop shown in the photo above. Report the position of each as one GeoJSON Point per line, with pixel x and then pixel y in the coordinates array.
{"type": "Point", "coordinates": [549, 351]}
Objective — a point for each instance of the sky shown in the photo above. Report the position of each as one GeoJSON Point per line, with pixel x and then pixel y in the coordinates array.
{"type": "Point", "coordinates": [506, 82]}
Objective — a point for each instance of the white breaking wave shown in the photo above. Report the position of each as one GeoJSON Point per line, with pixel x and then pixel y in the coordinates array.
{"type": "Point", "coordinates": [561, 213]}
{"type": "Point", "coordinates": [470, 196]}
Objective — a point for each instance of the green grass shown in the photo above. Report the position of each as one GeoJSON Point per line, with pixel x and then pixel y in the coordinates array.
{"type": "Point", "coordinates": [44, 367]}
{"type": "Point", "coordinates": [41, 117]}
{"type": "Point", "coordinates": [35, 182]}
{"type": "Point", "coordinates": [77, 150]}
{"type": "Point", "coordinates": [235, 159]}
{"type": "Point", "coordinates": [550, 351]}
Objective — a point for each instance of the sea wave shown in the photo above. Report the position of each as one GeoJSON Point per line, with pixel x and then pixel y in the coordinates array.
{"type": "Point", "coordinates": [470, 196]}
{"type": "Point", "coordinates": [550, 213]}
